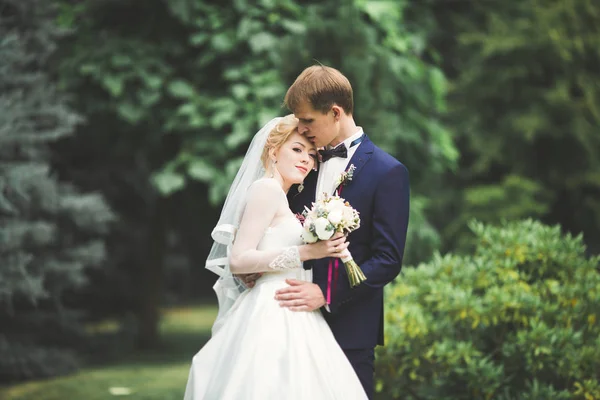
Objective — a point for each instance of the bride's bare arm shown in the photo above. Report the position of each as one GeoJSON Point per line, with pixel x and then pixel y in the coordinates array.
{"type": "Point", "coordinates": [265, 199]}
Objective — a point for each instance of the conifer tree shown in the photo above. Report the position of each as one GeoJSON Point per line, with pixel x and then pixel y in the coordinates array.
{"type": "Point", "coordinates": [49, 232]}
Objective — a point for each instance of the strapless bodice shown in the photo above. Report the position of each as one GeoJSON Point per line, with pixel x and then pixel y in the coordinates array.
{"type": "Point", "coordinates": [286, 233]}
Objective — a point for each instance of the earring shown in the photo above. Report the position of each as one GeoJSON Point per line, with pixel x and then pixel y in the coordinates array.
{"type": "Point", "coordinates": [301, 187]}
{"type": "Point", "coordinates": [273, 168]}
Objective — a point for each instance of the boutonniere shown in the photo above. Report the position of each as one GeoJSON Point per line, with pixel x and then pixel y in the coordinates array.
{"type": "Point", "coordinates": [345, 176]}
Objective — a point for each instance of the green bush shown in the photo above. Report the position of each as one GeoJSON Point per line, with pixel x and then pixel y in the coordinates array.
{"type": "Point", "coordinates": [20, 361]}
{"type": "Point", "coordinates": [517, 319]}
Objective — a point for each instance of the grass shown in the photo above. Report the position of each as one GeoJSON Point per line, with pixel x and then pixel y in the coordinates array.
{"type": "Point", "coordinates": [157, 375]}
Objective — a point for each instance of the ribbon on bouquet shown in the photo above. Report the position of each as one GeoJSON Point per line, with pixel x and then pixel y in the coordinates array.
{"type": "Point", "coordinates": [332, 277]}
{"type": "Point", "coordinates": [334, 264]}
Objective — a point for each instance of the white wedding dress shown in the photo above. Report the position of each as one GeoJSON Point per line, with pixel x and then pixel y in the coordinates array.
{"type": "Point", "coordinates": [266, 352]}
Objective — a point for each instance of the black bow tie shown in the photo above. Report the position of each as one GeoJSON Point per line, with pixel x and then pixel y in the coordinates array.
{"type": "Point", "coordinates": [339, 151]}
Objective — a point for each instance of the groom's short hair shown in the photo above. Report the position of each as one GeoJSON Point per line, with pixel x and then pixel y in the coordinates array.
{"type": "Point", "coordinates": [322, 87]}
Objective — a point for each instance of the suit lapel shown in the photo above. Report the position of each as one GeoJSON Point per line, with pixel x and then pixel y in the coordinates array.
{"type": "Point", "coordinates": [359, 159]}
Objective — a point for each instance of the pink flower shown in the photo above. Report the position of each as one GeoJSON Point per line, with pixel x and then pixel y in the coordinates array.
{"type": "Point", "coordinates": [300, 218]}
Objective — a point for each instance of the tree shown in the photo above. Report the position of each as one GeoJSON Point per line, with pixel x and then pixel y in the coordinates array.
{"type": "Point", "coordinates": [50, 233]}
{"type": "Point", "coordinates": [525, 111]}
{"type": "Point", "coordinates": [173, 92]}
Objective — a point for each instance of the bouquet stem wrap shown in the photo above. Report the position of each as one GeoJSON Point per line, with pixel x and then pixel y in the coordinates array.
{"type": "Point", "coordinates": [355, 274]}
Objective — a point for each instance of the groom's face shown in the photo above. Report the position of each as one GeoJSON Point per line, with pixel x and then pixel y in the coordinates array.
{"type": "Point", "coordinates": [321, 129]}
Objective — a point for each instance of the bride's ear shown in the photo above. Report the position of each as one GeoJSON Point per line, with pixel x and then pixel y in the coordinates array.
{"type": "Point", "coordinates": [272, 154]}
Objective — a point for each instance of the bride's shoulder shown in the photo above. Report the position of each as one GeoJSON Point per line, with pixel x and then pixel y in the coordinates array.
{"type": "Point", "coordinates": [265, 187]}
{"type": "Point", "coordinates": [266, 183]}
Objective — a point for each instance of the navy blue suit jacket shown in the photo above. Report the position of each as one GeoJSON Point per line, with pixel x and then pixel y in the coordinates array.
{"type": "Point", "coordinates": [379, 191]}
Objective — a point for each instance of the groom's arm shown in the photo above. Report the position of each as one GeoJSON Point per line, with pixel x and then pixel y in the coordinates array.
{"type": "Point", "coordinates": [389, 226]}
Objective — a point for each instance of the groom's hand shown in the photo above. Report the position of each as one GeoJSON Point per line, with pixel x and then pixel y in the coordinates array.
{"type": "Point", "coordinates": [300, 296]}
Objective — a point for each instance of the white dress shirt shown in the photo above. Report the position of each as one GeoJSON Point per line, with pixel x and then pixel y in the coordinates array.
{"type": "Point", "coordinates": [330, 170]}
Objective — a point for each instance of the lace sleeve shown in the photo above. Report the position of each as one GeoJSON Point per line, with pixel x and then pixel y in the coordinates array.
{"type": "Point", "coordinates": [265, 199]}
{"type": "Point", "coordinates": [290, 258]}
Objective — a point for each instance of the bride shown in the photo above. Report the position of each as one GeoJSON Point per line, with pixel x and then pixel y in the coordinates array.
{"type": "Point", "coordinates": [258, 349]}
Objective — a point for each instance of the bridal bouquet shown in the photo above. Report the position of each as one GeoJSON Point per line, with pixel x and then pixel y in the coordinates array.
{"type": "Point", "coordinates": [328, 215]}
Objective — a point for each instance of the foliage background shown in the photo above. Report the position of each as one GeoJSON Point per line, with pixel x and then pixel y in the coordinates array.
{"type": "Point", "coordinates": [493, 106]}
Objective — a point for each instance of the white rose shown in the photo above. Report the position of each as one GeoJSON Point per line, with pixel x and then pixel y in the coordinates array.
{"type": "Point", "coordinates": [334, 204]}
{"type": "Point", "coordinates": [323, 228]}
{"type": "Point", "coordinates": [308, 236]}
{"type": "Point", "coordinates": [348, 214]}
{"type": "Point", "coordinates": [335, 216]}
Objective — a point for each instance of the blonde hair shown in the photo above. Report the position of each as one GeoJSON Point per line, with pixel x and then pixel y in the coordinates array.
{"type": "Point", "coordinates": [278, 136]}
{"type": "Point", "coordinates": [322, 87]}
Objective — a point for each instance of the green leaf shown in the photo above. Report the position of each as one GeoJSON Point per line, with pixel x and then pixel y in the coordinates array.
{"type": "Point", "coordinates": [222, 42]}
{"type": "Point", "coordinates": [88, 69]}
{"type": "Point", "coordinates": [148, 99]}
{"type": "Point", "coordinates": [130, 112]}
{"type": "Point", "coordinates": [268, 4]}
{"type": "Point", "coordinates": [438, 82]}
{"type": "Point", "coordinates": [248, 26]}
{"type": "Point", "coordinates": [239, 135]}
{"type": "Point", "coordinates": [222, 117]}
{"type": "Point", "coordinates": [198, 39]}
{"type": "Point", "coordinates": [151, 81]}
{"type": "Point", "coordinates": [262, 41]}
{"type": "Point", "coordinates": [186, 109]}
{"type": "Point", "coordinates": [200, 170]}
{"type": "Point", "coordinates": [225, 111]}
{"type": "Point", "coordinates": [295, 27]}
{"type": "Point", "coordinates": [121, 60]}
{"type": "Point", "coordinates": [168, 182]}
{"type": "Point", "coordinates": [382, 10]}
{"type": "Point", "coordinates": [240, 91]}
{"type": "Point", "coordinates": [269, 91]}
{"type": "Point", "coordinates": [181, 89]}
{"type": "Point", "coordinates": [114, 84]}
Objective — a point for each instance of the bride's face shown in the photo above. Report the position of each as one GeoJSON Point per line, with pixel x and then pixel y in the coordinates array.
{"type": "Point", "coordinates": [295, 158]}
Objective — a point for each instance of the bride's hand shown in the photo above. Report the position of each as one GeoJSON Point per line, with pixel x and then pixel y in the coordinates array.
{"type": "Point", "coordinates": [333, 247]}
{"type": "Point", "coordinates": [249, 279]}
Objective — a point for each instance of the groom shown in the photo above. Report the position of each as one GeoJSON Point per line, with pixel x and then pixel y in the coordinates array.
{"type": "Point", "coordinates": [321, 98]}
